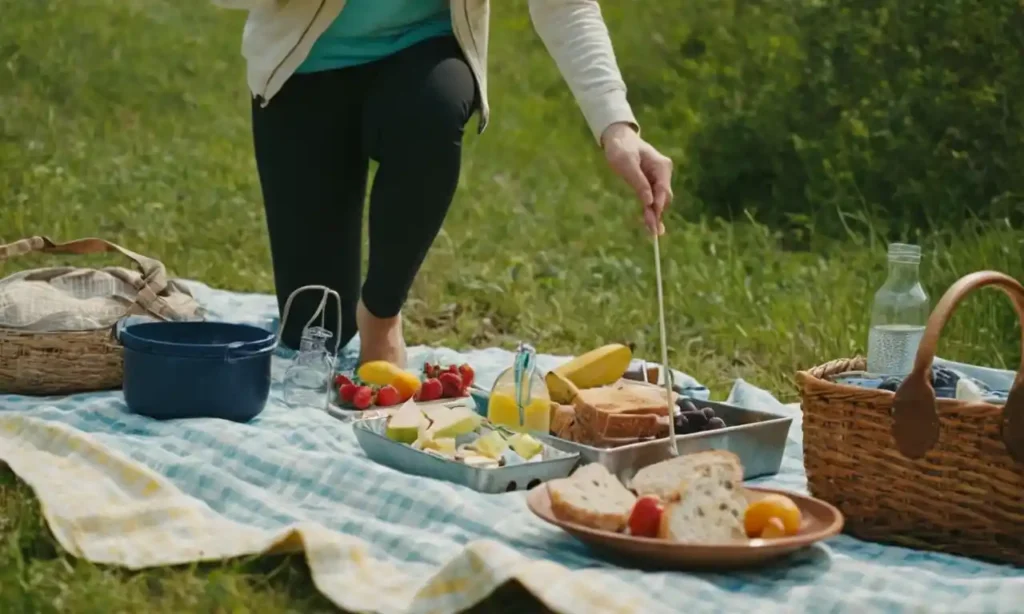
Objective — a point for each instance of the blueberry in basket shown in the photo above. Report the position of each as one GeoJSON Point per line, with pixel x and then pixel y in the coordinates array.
{"type": "Point", "coordinates": [891, 383]}
{"type": "Point", "coordinates": [942, 379]}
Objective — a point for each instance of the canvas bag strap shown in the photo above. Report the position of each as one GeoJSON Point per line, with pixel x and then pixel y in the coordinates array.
{"type": "Point", "coordinates": [148, 288]}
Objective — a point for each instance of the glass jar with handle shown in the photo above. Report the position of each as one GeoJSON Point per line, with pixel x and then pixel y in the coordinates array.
{"type": "Point", "coordinates": [307, 381]}
{"type": "Point", "coordinates": [519, 398]}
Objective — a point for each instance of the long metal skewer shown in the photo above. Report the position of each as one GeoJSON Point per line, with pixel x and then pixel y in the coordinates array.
{"type": "Point", "coordinates": [664, 352]}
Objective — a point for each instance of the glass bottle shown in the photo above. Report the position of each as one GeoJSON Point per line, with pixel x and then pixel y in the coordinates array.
{"type": "Point", "coordinates": [519, 398]}
{"type": "Point", "coordinates": [898, 314]}
{"type": "Point", "coordinates": [307, 380]}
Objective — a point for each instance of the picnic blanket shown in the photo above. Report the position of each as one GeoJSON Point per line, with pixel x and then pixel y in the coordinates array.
{"type": "Point", "coordinates": [125, 490]}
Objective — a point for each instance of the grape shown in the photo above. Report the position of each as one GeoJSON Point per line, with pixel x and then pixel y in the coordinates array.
{"type": "Point", "coordinates": [682, 425]}
{"type": "Point", "coordinates": [697, 419]}
{"type": "Point", "coordinates": [686, 405]}
{"type": "Point", "coordinates": [715, 423]}
{"type": "Point", "coordinates": [708, 413]}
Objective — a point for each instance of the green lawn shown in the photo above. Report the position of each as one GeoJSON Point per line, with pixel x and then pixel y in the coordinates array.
{"type": "Point", "coordinates": [129, 120]}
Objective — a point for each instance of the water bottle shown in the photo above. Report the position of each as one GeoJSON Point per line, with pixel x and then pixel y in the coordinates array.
{"type": "Point", "coordinates": [307, 380]}
{"type": "Point", "coordinates": [898, 315]}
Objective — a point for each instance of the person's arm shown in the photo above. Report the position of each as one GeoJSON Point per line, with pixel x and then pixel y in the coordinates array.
{"type": "Point", "coordinates": [577, 38]}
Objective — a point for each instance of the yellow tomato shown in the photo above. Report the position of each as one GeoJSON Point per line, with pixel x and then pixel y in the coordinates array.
{"type": "Point", "coordinates": [378, 372]}
{"type": "Point", "coordinates": [406, 384]}
{"type": "Point", "coordinates": [774, 528]}
{"type": "Point", "coordinates": [761, 512]}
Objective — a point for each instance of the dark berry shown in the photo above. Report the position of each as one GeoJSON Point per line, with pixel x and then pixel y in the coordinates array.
{"type": "Point", "coordinates": [682, 425]}
{"type": "Point", "coordinates": [696, 419]}
{"type": "Point", "coordinates": [944, 378]}
{"type": "Point", "coordinates": [686, 405]}
{"type": "Point", "coordinates": [715, 423]}
{"type": "Point", "coordinates": [890, 383]}
{"type": "Point", "coordinates": [708, 413]}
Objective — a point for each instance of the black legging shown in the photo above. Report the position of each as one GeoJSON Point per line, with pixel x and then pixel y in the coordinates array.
{"type": "Point", "coordinates": [313, 143]}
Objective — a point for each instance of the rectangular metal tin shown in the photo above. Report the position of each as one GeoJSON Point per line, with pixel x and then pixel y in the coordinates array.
{"type": "Point", "coordinates": [758, 438]}
{"type": "Point", "coordinates": [557, 463]}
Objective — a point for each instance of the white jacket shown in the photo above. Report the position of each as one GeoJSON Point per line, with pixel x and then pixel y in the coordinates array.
{"type": "Point", "coordinates": [279, 34]}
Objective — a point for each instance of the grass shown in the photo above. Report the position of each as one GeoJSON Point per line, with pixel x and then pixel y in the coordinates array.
{"type": "Point", "coordinates": [128, 120]}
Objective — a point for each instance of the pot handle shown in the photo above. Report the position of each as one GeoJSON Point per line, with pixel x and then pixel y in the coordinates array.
{"type": "Point", "coordinates": [915, 413]}
{"type": "Point", "coordinates": [234, 352]}
{"type": "Point", "coordinates": [126, 321]}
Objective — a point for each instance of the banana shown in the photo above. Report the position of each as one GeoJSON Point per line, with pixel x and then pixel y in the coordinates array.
{"type": "Point", "coordinates": [599, 367]}
{"type": "Point", "coordinates": [560, 389]}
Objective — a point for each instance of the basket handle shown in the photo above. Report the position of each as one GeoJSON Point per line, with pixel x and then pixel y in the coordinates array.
{"type": "Point", "coordinates": [915, 413]}
{"type": "Point", "coordinates": [148, 289]}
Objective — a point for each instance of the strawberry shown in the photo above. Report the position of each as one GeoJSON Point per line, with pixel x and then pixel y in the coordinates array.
{"type": "Point", "coordinates": [388, 396]}
{"type": "Point", "coordinates": [431, 390]}
{"type": "Point", "coordinates": [467, 374]}
{"type": "Point", "coordinates": [363, 397]}
{"type": "Point", "coordinates": [429, 370]}
{"type": "Point", "coordinates": [347, 391]}
{"type": "Point", "coordinates": [453, 369]}
{"type": "Point", "coordinates": [340, 380]}
{"type": "Point", "coordinates": [451, 385]}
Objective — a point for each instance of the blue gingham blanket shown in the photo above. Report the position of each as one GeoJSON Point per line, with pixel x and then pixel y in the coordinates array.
{"type": "Point", "coordinates": [292, 466]}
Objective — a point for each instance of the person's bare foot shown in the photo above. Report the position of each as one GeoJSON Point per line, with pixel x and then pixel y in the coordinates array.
{"type": "Point", "coordinates": [380, 338]}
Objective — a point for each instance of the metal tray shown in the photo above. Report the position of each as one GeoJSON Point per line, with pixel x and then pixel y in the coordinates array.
{"type": "Point", "coordinates": [758, 438]}
{"type": "Point", "coordinates": [352, 415]}
{"type": "Point", "coordinates": [556, 464]}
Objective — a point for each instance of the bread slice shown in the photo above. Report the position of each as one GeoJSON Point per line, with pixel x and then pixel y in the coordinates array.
{"type": "Point", "coordinates": [591, 497]}
{"type": "Point", "coordinates": [622, 410]}
{"type": "Point", "coordinates": [710, 511]}
{"type": "Point", "coordinates": [625, 397]}
{"type": "Point", "coordinates": [668, 478]}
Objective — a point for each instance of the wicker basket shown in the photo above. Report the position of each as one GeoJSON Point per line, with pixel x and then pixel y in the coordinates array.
{"type": "Point", "coordinates": [66, 362]}
{"type": "Point", "coordinates": [908, 469]}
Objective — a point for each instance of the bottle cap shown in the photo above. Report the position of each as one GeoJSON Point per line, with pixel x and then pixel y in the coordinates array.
{"type": "Point", "coordinates": [904, 252]}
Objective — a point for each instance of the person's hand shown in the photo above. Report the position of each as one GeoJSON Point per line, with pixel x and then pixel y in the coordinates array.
{"type": "Point", "coordinates": [643, 167]}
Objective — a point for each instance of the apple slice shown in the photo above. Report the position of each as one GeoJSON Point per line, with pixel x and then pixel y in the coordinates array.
{"type": "Point", "coordinates": [405, 424]}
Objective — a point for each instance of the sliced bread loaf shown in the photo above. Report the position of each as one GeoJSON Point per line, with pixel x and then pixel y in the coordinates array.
{"type": "Point", "coordinates": [563, 419]}
{"type": "Point", "coordinates": [669, 477]}
{"type": "Point", "coordinates": [591, 497]}
{"type": "Point", "coordinates": [622, 410]}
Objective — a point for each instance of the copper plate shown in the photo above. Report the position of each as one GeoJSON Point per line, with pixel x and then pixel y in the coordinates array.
{"type": "Point", "coordinates": [820, 521]}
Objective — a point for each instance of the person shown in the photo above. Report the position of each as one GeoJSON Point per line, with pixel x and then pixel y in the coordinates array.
{"type": "Point", "coordinates": [336, 83]}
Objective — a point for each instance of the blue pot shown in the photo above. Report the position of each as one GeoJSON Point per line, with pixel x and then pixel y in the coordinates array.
{"type": "Point", "coordinates": [196, 369]}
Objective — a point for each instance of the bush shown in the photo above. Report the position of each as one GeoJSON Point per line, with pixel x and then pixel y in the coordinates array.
{"type": "Point", "coordinates": [890, 116]}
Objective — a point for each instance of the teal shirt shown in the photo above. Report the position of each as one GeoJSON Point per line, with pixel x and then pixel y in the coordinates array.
{"type": "Point", "coordinates": [368, 30]}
